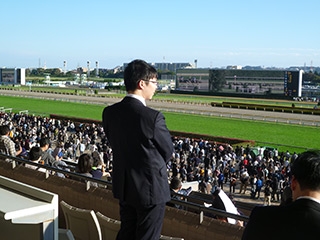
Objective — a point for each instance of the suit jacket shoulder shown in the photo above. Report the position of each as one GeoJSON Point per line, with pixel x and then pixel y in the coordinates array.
{"type": "Point", "coordinates": [299, 220]}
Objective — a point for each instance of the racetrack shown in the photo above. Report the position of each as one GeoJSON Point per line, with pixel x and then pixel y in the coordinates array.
{"type": "Point", "coordinates": [180, 107]}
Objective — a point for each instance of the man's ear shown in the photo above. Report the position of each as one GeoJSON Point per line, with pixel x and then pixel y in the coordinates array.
{"type": "Point", "coordinates": [294, 183]}
{"type": "Point", "coordinates": [295, 188]}
{"type": "Point", "coordinates": [141, 84]}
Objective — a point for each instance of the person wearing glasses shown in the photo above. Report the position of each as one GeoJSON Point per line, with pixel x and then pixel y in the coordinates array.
{"type": "Point", "coordinates": [299, 219]}
{"type": "Point", "coordinates": [141, 146]}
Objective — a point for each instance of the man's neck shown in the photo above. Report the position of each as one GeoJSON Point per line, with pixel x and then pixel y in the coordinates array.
{"type": "Point", "coordinates": [310, 194]}
{"type": "Point", "coordinates": [137, 96]}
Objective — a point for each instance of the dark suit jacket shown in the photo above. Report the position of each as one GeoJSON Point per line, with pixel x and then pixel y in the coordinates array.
{"type": "Point", "coordinates": [141, 145]}
{"type": "Point", "coordinates": [299, 220]}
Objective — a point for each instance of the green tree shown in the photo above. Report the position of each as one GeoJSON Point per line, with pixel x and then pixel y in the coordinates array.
{"type": "Point", "coordinates": [216, 80]}
{"type": "Point", "coordinates": [28, 72]}
{"type": "Point", "coordinates": [311, 77]}
{"type": "Point", "coordinates": [55, 72]}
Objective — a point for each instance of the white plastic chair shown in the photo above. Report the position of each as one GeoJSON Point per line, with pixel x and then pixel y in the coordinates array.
{"type": "Point", "coordinates": [109, 227]}
{"type": "Point", "coordinates": [83, 223]}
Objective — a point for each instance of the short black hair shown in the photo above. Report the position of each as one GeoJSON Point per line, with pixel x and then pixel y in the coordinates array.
{"type": "Point", "coordinates": [85, 163]}
{"type": "Point", "coordinates": [138, 70]}
{"type": "Point", "coordinates": [175, 183]}
{"type": "Point", "coordinates": [4, 129]}
{"type": "Point", "coordinates": [35, 153]}
{"type": "Point", "coordinates": [306, 169]}
{"type": "Point", "coordinates": [44, 141]}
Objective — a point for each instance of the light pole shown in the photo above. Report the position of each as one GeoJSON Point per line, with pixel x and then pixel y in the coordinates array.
{"type": "Point", "coordinates": [88, 71]}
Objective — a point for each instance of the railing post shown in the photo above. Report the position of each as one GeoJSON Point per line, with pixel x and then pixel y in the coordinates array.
{"type": "Point", "coordinates": [13, 164]}
{"type": "Point", "coordinates": [87, 185]}
{"type": "Point", "coordinates": [47, 174]}
{"type": "Point", "coordinates": [201, 217]}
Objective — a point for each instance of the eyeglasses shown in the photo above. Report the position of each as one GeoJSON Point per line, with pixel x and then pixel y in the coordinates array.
{"type": "Point", "coordinates": [152, 81]}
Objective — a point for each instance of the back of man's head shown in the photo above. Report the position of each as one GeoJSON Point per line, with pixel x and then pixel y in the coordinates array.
{"type": "Point", "coordinates": [138, 70]}
{"type": "Point", "coordinates": [44, 141]}
{"type": "Point", "coordinates": [35, 153]}
{"type": "Point", "coordinates": [306, 169]}
{"type": "Point", "coordinates": [4, 130]}
{"type": "Point", "coordinates": [175, 183]}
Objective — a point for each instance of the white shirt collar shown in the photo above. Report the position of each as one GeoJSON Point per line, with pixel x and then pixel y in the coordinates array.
{"type": "Point", "coordinates": [141, 99]}
{"type": "Point", "coordinates": [310, 198]}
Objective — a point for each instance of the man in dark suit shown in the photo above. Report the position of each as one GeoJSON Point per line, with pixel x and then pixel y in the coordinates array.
{"type": "Point", "coordinates": [299, 219]}
{"type": "Point", "coordinates": [141, 146]}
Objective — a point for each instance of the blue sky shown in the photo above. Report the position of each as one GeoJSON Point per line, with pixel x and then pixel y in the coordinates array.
{"type": "Point", "coordinates": [273, 33]}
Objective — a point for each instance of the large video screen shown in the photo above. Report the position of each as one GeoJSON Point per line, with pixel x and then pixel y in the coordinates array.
{"type": "Point", "coordinates": [7, 76]}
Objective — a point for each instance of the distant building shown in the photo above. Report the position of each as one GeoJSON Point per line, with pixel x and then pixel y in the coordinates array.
{"type": "Point", "coordinates": [237, 67]}
{"type": "Point", "coordinates": [12, 76]}
{"type": "Point", "coordinates": [288, 83]}
{"type": "Point", "coordinates": [172, 67]}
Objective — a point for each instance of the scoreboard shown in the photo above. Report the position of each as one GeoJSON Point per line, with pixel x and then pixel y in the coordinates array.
{"type": "Point", "coordinates": [293, 83]}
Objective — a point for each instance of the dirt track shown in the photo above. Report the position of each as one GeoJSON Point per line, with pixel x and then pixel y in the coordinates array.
{"type": "Point", "coordinates": [202, 109]}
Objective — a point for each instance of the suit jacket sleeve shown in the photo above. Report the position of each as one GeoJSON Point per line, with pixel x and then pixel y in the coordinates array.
{"type": "Point", "coordinates": [162, 138]}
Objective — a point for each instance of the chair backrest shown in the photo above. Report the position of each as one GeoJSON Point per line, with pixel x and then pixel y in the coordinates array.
{"type": "Point", "coordinates": [163, 237]}
{"type": "Point", "coordinates": [65, 234]}
{"type": "Point", "coordinates": [83, 223]}
{"type": "Point", "coordinates": [109, 227]}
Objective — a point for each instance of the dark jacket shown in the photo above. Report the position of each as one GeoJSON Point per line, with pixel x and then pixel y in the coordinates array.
{"type": "Point", "coordinates": [298, 220]}
{"type": "Point", "coordinates": [141, 145]}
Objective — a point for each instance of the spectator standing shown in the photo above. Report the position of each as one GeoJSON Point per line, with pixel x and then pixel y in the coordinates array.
{"type": "Point", "coordinates": [259, 185]}
{"type": "Point", "coordinates": [220, 179]}
{"type": "Point", "coordinates": [267, 194]}
{"type": "Point", "coordinates": [142, 147]}
{"type": "Point", "coordinates": [233, 182]}
{"type": "Point", "coordinates": [244, 180]}
{"type": "Point", "coordinates": [253, 183]}
{"type": "Point", "coordinates": [275, 188]}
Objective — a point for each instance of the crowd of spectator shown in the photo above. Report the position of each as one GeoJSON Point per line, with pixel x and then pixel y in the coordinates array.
{"type": "Point", "coordinates": [211, 164]}
{"type": "Point", "coordinates": [60, 141]}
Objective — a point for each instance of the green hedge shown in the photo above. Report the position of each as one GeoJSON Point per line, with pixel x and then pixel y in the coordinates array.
{"type": "Point", "coordinates": [271, 108]}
